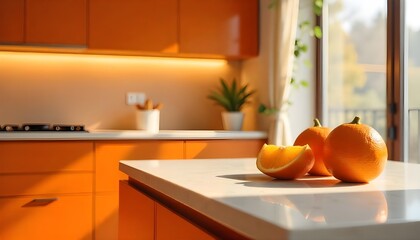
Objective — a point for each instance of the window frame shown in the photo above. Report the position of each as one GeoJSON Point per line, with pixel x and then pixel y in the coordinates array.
{"type": "Point", "coordinates": [397, 103]}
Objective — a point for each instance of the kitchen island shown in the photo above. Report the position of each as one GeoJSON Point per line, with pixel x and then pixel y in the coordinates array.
{"type": "Point", "coordinates": [230, 197]}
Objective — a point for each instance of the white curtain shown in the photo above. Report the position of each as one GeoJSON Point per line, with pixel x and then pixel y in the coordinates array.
{"type": "Point", "coordinates": [283, 22]}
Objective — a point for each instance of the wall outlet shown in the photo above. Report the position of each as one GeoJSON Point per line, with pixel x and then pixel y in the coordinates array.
{"type": "Point", "coordinates": [134, 98]}
{"type": "Point", "coordinates": [141, 98]}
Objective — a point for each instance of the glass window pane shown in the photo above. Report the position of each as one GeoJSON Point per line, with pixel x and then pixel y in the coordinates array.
{"type": "Point", "coordinates": [413, 77]}
{"type": "Point", "coordinates": [355, 66]}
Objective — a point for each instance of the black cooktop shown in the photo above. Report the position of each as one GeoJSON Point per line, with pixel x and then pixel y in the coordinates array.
{"type": "Point", "coordinates": [37, 127]}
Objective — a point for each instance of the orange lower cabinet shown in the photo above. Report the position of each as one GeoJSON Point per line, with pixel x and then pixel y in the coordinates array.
{"type": "Point", "coordinates": [106, 217]}
{"type": "Point", "coordinates": [40, 183]}
{"type": "Point", "coordinates": [141, 217]}
{"type": "Point", "coordinates": [108, 154]}
{"type": "Point", "coordinates": [46, 217]}
{"type": "Point", "coordinates": [169, 225]}
{"type": "Point", "coordinates": [223, 148]}
{"type": "Point", "coordinates": [46, 190]}
{"type": "Point", "coordinates": [136, 214]}
{"type": "Point", "coordinates": [46, 156]}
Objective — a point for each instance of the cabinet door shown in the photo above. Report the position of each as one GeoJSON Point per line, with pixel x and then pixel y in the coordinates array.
{"type": "Point", "coordinates": [136, 214]}
{"type": "Point", "coordinates": [171, 226]}
{"type": "Point", "coordinates": [58, 183]}
{"type": "Point", "coordinates": [58, 217]}
{"type": "Point", "coordinates": [46, 156]}
{"type": "Point", "coordinates": [46, 190]}
{"type": "Point", "coordinates": [56, 22]}
{"type": "Point", "coordinates": [147, 25]}
{"type": "Point", "coordinates": [108, 155]}
{"type": "Point", "coordinates": [106, 216]}
{"type": "Point", "coordinates": [219, 27]}
{"type": "Point", "coordinates": [223, 148]}
{"type": "Point", "coordinates": [44, 167]}
{"type": "Point", "coordinates": [11, 21]}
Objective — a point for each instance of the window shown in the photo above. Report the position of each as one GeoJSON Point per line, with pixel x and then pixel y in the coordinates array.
{"type": "Point", "coordinates": [356, 60]}
{"type": "Point", "coordinates": [371, 68]}
{"type": "Point", "coordinates": [412, 33]}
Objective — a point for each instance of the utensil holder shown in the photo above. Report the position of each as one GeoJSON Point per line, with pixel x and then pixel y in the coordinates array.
{"type": "Point", "coordinates": [148, 120]}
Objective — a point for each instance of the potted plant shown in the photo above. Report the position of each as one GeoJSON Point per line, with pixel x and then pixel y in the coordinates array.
{"type": "Point", "coordinates": [232, 98]}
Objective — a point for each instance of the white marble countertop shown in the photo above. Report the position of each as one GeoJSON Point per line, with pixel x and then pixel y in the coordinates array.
{"type": "Point", "coordinates": [133, 135]}
{"type": "Point", "coordinates": [235, 193]}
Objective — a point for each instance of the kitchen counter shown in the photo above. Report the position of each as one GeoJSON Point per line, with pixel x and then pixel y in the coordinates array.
{"type": "Point", "coordinates": [133, 135]}
{"type": "Point", "coordinates": [236, 194]}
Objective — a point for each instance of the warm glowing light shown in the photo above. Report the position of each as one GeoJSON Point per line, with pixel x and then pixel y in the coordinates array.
{"type": "Point", "coordinates": [155, 61]}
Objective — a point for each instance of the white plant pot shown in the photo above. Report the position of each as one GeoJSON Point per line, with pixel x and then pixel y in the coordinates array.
{"type": "Point", "coordinates": [148, 120]}
{"type": "Point", "coordinates": [232, 121]}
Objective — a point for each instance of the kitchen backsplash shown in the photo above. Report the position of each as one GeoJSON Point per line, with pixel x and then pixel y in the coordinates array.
{"type": "Point", "coordinates": [91, 90]}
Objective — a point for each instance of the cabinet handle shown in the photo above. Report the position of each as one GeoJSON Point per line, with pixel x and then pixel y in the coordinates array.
{"type": "Point", "coordinates": [37, 202]}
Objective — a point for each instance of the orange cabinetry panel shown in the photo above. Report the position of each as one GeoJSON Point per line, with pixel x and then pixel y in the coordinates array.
{"type": "Point", "coordinates": [66, 217]}
{"type": "Point", "coordinates": [171, 226]}
{"type": "Point", "coordinates": [46, 190]}
{"type": "Point", "coordinates": [150, 26]}
{"type": "Point", "coordinates": [223, 148]}
{"type": "Point", "coordinates": [56, 22]}
{"type": "Point", "coordinates": [140, 217]}
{"type": "Point", "coordinates": [106, 216]}
{"type": "Point", "coordinates": [216, 28]}
{"type": "Point", "coordinates": [108, 155]}
{"type": "Point", "coordinates": [28, 168]}
{"type": "Point", "coordinates": [219, 27]}
{"type": "Point", "coordinates": [30, 184]}
{"type": "Point", "coordinates": [137, 214]}
{"type": "Point", "coordinates": [12, 21]}
{"type": "Point", "coordinates": [45, 157]}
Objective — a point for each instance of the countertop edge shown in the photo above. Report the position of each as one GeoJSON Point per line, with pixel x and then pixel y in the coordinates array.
{"type": "Point", "coordinates": [134, 135]}
{"type": "Point", "coordinates": [254, 227]}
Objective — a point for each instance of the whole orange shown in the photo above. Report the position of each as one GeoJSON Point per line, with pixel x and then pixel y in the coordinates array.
{"type": "Point", "coordinates": [315, 137]}
{"type": "Point", "coordinates": [355, 152]}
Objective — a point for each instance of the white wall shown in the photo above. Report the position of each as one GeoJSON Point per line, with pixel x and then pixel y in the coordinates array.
{"type": "Point", "coordinates": [254, 71]}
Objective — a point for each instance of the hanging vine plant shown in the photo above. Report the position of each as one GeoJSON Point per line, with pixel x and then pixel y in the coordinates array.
{"type": "Point", "coordinates": [305, 28]}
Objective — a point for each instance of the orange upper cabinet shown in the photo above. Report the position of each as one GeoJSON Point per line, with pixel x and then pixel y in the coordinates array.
{"type": "Point", "coordinates": [186, 28]}
{"type": "Point", "coordinates": [137, 25]}
{"type": "Point", "coordinates": [219, 27]}
{"type": "Point", "coordinates": [12, 21]}
{"type": "Point", "coordinates": [56, 22]}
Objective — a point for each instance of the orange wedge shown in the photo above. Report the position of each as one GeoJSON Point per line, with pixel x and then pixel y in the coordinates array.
{"type": "Point", "coordinates": [285, 162]}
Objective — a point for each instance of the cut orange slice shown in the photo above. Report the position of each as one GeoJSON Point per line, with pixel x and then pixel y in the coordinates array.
{"type": "Point", "coordinates": [285, 162]}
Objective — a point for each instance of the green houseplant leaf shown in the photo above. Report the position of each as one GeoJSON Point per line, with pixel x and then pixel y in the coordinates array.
{"type": "Point", "coordinates": [231, 97]}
